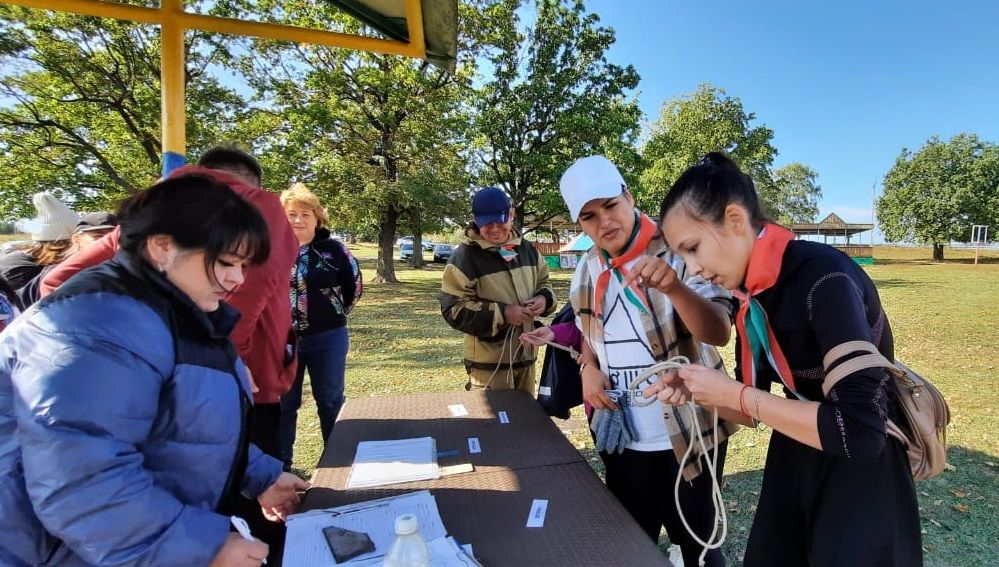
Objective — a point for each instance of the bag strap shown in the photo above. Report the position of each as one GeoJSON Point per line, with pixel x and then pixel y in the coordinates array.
{"type": "Point", "coordinates": [848, 367]}
{"type": "Point", "coordinates": [839, 351]}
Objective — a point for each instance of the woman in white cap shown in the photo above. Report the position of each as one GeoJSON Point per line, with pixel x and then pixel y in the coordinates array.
{"type": "Point", "coordinates": [636, 305]}
{"type": "Point", "coordinates": [48, 246]}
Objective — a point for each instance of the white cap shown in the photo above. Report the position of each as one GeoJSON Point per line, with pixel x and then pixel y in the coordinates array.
{"type": "Point", "coordinates": [406, 524]}
{"type": "Point", "coordinates": [589, 178]}
{"type": "Point", "coordinates": [56, 221]}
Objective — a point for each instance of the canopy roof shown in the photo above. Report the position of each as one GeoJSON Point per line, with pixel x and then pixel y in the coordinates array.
{"type": "Point", "coordinates": [579, 243]}
{"type": "Point", "coordinates": [388, 17]}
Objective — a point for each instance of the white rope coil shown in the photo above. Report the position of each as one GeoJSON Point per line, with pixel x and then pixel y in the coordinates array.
{"type": "Point", "coordinates": [716, 539]}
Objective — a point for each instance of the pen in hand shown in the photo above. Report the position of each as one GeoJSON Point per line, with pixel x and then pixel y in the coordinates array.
{"type": "Point", "coordinates": [244, 530]}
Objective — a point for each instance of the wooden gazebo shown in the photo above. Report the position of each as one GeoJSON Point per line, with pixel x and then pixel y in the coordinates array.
{"type": "Point", "coordinates": [840, 231]}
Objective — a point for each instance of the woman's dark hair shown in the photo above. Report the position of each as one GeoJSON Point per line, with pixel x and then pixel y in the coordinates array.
{"type": "Point", "coordinates": [10, 294]}
{"type": "Point", "coordinates": [708, 187]}
{"type": "Point", "coordinates": [199, 213]}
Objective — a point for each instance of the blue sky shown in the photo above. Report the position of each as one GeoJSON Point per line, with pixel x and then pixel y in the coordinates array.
{"type": "Point", "coordinates": [844, 84]}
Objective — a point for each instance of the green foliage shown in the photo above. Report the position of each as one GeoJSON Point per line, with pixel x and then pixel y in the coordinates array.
{"type": "Point", "coordinates": [793, 196]}
{"type": "Point", "coordinates": [378, 137]}
{"type": "Point", "coordinates": [553, 98]}
{"type": "Point", "coordinates": [80, 107]}
{"type": "Point", "coordinates": [694, 124]}
{"type": "Point", "coordinates": [934, 195]}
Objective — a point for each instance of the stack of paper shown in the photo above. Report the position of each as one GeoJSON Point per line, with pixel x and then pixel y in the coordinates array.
{"type": "Point", "coordinates": [306, 546]}
{"type": "Point", "coordinates": [378, 463]}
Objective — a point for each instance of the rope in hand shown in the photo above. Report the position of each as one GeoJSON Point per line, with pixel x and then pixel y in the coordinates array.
{"type": "Point", "coordinates": [572, 352]}
{"type": "Point", "coordinates": [513, 355]}
{"type": "Point", "coordinates": [676, 363]}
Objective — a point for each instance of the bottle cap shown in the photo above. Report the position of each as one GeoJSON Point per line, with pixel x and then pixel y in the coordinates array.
{"type": "Point", "coordinates": [406, 524]}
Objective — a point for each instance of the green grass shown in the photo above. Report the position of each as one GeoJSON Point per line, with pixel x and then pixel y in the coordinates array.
{"type": "Point", "coordinates": [944, 317]}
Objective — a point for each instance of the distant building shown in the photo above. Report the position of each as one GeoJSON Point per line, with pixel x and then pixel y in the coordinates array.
{"type": "Point", "coordinates": [840, 232]}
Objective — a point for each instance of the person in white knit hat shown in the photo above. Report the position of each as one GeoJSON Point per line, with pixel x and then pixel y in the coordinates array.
{"type": "Point", "coordinates": [56, 224]}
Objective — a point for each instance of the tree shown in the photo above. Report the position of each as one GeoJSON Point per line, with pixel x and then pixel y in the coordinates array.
{"type": "Point", "coordinates": [553, 98]}
{"type": "Point", "coordinates": [793, 196]}
{"type": "Point", "coordinates": [694, 124]}
{"type": "Point", "coordinates": [934, 195]}
{"type": "Point", "coordinates": [80, 107]}
{"type": "Point", "coordinates": [378, 136]}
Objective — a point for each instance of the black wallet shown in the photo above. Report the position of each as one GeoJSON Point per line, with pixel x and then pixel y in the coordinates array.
{"type": "Point", "coordinates": [347, 544]}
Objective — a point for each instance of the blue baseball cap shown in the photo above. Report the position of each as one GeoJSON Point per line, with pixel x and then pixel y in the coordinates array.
{"type": "Point", "coordinates": [489, 205]}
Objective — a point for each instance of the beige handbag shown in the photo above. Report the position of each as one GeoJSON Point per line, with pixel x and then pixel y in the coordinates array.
{"type": "Point", "coordinates": [924, 410]}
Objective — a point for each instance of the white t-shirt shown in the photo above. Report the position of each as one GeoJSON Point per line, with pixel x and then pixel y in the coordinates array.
{"type": "Point", "coordinates": [628, 353]}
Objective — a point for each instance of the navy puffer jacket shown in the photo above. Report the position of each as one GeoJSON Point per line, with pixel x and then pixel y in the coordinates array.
{"type": "Point", "coordinates": [123, 425]}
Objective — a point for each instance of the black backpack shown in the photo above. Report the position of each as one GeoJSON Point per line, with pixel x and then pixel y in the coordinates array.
{"type": "Point", "coordinates": [560, 388]}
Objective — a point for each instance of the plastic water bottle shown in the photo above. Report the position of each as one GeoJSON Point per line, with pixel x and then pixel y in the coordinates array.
{"type": "Point", "coordinates": [409, 548]}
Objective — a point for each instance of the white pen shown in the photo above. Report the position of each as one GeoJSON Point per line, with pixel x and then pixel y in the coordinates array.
{"type": "Point", "coordinates": [244, 530]}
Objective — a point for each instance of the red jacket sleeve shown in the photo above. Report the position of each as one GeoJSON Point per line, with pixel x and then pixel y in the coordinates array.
{"type": "Point", "coordinates": [271, 278]}
{"type": "Point", "coordinates": [263, 335]}
{"type": "Point", "coordinates": [96, 253]}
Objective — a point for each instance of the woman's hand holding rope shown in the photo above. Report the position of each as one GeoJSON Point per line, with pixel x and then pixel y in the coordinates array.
{"type": "Point", "coordinates": [707, 386]}
{"type": "Point", "coordinates": [538, 337]}
{"type": "Point", "coordinates": [654, 272]}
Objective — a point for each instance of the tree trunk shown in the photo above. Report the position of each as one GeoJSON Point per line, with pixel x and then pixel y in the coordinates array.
{"type": "Point", "coordinates": [416, 260]}
{"type": "Point", "coordinates": [938, 252]}
{"type": "Point", "coordinates": [385, 272]}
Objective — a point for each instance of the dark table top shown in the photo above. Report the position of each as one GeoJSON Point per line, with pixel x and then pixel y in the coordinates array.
{"type": "Point", "coordinates": [525, 459]}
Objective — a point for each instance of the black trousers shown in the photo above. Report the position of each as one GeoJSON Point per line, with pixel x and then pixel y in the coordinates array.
{"type": "Point", "coordinates": [643, 482]}
{"type": "Point", "coordinates": [265, 420]}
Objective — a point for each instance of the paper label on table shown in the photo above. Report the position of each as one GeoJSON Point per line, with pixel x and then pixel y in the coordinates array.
{"type": "Point", "coordinates": [545, 391]}
{"type": "Point", "coordinates": [473, 445]}
{"type": "Point", "coordinates": [457, 410]}
{"type": "Point", "coordinates": [536, 519]}
{"type": "Point", "coordinates": [503, 417]}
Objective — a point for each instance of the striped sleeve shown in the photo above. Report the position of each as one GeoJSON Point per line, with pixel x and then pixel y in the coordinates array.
{"type": "Point", "coordinates": [463, 309]}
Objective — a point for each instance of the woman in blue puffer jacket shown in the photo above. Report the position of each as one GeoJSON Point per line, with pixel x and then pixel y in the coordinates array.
{"type": "Point", "coordinates": [123, 405]}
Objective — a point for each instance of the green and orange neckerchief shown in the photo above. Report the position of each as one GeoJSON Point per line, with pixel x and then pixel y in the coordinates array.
{"type": "Point", "coordinates": [645, 229]}
{"type": "Point", "coordinates": [756, 338]}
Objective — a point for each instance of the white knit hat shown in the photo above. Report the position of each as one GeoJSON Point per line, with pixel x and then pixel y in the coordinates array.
{"type": "Point", "coordinates": [55, 220]}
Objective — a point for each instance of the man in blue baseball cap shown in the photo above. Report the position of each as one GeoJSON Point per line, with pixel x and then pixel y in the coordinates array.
{"type": "Point", "coordinates": [494, 286]}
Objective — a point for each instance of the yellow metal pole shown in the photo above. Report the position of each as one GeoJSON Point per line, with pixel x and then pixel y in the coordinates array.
{"type": "Point", "coordinates": [294, 34]}
{"type": "Point", "coordinates": [201, 22]}
{"type": "Point", "coordinates": [97, 8]}
{"type": "Point", "coordinates": [414, 21]}
{"type": "Point", "coordinates": [172, 77]}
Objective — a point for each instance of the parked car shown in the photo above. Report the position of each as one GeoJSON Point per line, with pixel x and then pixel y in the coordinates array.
{"type": "Point", "coordinates": [442, 252]}
{"type": "Point", "coordinates": [427, 244]}
{"type": "Point", "coordinates": [405, 251]}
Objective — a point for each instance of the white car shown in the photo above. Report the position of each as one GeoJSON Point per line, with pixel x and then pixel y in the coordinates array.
{"type": "Point", "coordinates": [405, 251]}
